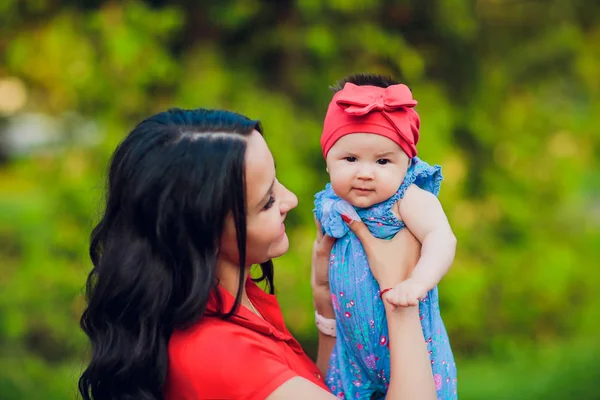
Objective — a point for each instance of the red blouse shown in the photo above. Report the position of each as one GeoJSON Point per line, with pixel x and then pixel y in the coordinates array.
{"type": "Point", "coordinates": [244, 357]}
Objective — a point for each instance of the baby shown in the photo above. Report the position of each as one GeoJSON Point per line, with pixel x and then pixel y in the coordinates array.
{"type": "Point", "coordinates": [369, 142]}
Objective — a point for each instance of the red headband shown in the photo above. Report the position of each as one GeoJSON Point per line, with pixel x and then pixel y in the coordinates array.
{"type": "Point", "coordinates": [387, 112]}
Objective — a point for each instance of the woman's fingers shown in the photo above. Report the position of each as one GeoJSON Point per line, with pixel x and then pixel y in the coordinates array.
{"type": "Point", "coordinates": [320, 260]}
{"type": "Point", "coordinates": [325, 245]}
{"type": "Point", "coordinates": [391, 261]}
{"type": "Point", "coordinates": [319, 229]}
{"type": "Point", "coordinates": [362, 232]}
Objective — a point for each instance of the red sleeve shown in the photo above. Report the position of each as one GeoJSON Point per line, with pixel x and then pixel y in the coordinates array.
{"type": "Point", "coordinates": [236, 365]}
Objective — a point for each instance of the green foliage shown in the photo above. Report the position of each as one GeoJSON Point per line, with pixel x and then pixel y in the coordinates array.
{"type": "Point", "coordinates": [509, 96]}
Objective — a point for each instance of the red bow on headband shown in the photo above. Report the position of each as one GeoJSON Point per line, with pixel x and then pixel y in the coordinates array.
{"type": "Point", "coordinates": [387, 112]}
{"type": "Point", "coordinates": [361, 100]}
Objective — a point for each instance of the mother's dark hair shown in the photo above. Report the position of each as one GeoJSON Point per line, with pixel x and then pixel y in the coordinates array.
{"type": "Point", "coordinates": [171, 184]}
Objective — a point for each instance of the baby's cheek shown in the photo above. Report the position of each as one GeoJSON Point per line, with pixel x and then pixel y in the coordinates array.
{"type": "Point", "coordinates": [390, 182]}
{"type": "Point", "coordinates": [341, 190]}
{"type": "Point", "coordinates": [340, 182]}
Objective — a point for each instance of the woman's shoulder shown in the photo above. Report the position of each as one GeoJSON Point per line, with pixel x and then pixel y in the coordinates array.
{"type": "Point", "coordinates": [219, 341]}
{"type": "Point", "coordinates": [216, 358]}
{"type": "Point", "coordinates": [212, 335]}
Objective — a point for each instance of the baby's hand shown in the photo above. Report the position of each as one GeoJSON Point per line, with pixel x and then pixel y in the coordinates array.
{"type": "Point", "coordinates": [406, 294]}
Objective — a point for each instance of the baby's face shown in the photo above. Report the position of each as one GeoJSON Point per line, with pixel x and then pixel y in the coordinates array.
{"type": "Point", "coordinates": [366, 169]}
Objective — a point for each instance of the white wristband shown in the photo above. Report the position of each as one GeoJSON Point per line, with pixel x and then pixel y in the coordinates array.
{"type": "Point", "coordinates": [325, 325]}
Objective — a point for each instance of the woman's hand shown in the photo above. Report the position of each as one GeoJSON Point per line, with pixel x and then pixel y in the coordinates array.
{"type": "Point", "coordinates": [391, 261]}
{"type": "Point", "coordinates": [320, 272]}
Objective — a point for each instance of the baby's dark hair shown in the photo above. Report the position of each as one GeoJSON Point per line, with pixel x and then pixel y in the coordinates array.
{"type": "Point", "coordinates": [363, 80]}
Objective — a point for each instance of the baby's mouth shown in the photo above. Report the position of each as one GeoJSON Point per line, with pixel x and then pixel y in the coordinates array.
{"type": "Point", "coordinates": [363, 190]}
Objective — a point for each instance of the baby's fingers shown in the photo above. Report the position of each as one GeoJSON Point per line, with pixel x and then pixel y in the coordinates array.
{"type": "Point", "coordinates": [412, 301]}
{"type": "Point", "coordinates": [397, 298]}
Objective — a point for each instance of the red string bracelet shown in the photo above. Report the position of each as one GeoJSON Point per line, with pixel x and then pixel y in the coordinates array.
{"type": "Point", "coordinates": [384, 291]}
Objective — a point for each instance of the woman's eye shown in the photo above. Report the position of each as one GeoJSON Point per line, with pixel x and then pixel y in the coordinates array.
{"type": "Point", "coordinates": [383, 161]}
{"type": "Point", "coordinates": [350, 159]}
{"type": "Point", "coordinates": [269, 203]}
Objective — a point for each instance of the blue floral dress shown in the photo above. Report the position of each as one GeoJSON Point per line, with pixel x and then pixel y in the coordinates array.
{"type": "Point", "coordinates": [359, 367]}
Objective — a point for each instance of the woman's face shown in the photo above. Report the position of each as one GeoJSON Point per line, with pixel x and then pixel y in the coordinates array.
{"type": "Point", "coordinates": [268, 203]}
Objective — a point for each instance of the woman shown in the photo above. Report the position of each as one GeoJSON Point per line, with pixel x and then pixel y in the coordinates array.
{"type": "Point", "coordinates": [192, 204]}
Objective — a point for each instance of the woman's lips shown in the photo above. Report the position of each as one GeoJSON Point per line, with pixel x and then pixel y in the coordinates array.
{"type": "Point", "coordinates": [282, 230]}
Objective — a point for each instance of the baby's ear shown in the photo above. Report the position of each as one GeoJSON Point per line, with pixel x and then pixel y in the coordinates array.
{"type": "Point", "coordinates": [327, 169]}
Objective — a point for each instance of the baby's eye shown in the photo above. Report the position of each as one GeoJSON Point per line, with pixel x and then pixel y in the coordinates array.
{"type": "Point", "coordinates": [383, 161]}
{"type": "Point", "coordinates": [350, 159]}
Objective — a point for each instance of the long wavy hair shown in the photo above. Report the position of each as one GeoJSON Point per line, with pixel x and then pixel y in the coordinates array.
{"type": "Point", "coordinates": [171, 183]}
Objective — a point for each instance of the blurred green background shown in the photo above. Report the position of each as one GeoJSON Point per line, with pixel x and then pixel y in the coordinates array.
{"type": "Point", "coordinates": [509, 96]}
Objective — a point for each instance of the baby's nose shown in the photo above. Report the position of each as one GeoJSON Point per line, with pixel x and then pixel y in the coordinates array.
{"type": "Point", "coordinates": [365, 173]}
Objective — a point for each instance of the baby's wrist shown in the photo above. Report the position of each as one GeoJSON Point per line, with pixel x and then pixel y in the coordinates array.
{"type": "Point", "coordinates": [391, 279]}
{"type": "Point", "coordinates": [417, 279]}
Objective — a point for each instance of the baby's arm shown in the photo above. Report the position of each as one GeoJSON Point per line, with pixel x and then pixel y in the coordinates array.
{"type": "Point", "coordinates": [423, 214]}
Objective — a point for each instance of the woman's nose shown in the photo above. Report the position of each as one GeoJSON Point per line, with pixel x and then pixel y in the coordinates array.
{"type": "Point", "coordinates": [288, 201]}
